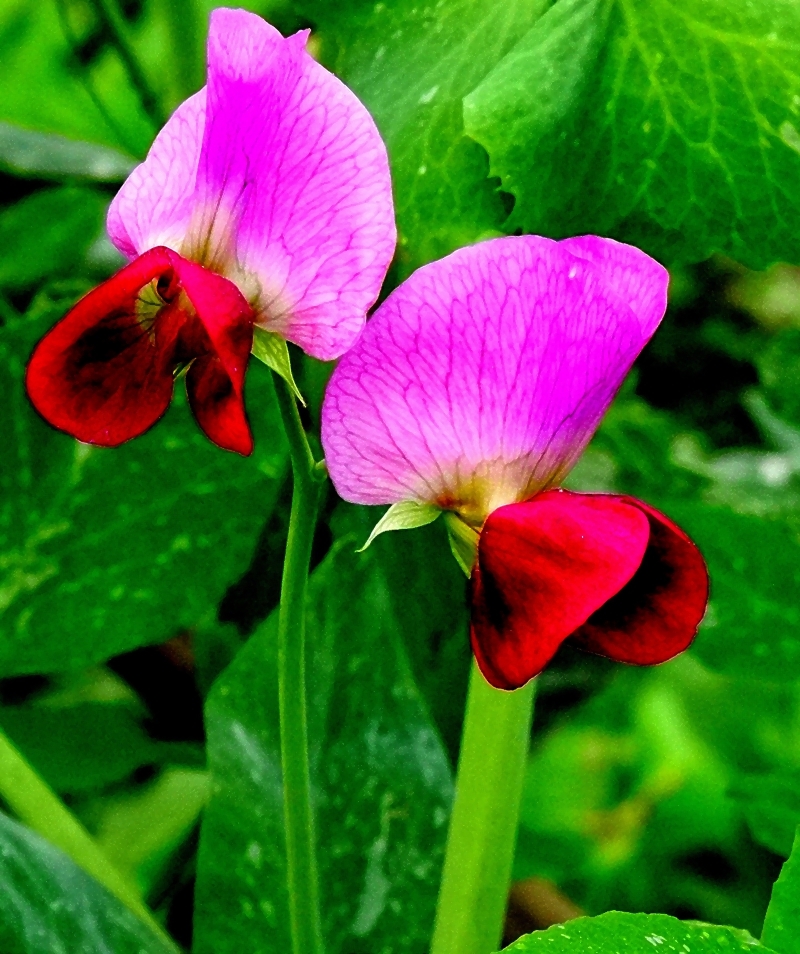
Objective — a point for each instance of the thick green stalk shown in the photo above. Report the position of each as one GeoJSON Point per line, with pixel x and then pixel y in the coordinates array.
{"type": "Point", "coordinates": [298, 816]}
{"type": "Point", "coordinates": [111, 18]}
{"type": "Point", "coordinates": [34, 803]}
{"type": "Point", "coordinates": [483, 826]}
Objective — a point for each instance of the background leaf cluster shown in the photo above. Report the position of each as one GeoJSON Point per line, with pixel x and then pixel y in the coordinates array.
{"type": "Point", "coordinates": [137, 586]}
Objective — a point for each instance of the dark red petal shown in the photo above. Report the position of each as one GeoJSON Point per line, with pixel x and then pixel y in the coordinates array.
{"type": "Point", "coordinates": [655, 616]}
{"type": "Point", "coordinates": [105, 372]}
{"type": "Point", "coordinates": [544, 566]}
{"type": "Point", "coordinates": [215, 381]}
{"type": "Point", "coordinates": [218, 408]}
{"type": "Point", "coordinates": [100, 374]}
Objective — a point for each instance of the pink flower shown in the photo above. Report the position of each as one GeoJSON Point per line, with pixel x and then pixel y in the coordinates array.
{"type": "Point", "coordinates": [474, 389]}
{"type": "Point", "coordinates": [265, 200]}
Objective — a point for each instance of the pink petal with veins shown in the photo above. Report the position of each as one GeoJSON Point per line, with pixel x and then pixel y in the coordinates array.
{"type": "Point", "coordinates": [154, 206]}
{"type": "Point", "coordinates": [480, 380]}
{"type": "Point", "coordinates": [281, 184]}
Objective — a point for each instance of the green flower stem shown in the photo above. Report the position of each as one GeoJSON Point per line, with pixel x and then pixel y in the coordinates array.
{"type": "Point", "coordinates": [299, 821]}
{"type": "Point", "coordinates": [109, 15]}
{"type": "Point", "coordinates": [483, 826]}
{"type": "Point", "coordinates": [35, 803]}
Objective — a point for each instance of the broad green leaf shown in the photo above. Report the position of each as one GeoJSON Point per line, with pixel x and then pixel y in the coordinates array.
{"type": "Point", "coordinates": [673, 126]}
{"type": "Point", "coordinates": [82, 747]}
{"type": "Point", "coordinates": [274, 352]}
{"type": "Point", "coordinates": [43, 87]}
{"type": "Point", "coordinates": [411, 63]}
{"type": "Point", "coordinates": [140, 830]}
{"type": "Point", "coordinates": [379, 773]}
{"type": "Point", "coordinates": [47, 234]}
{"type": "Point", "coordinates": [427, 592]}
{"type": "Point", "coordinates": [618, 933]}
{"type": "Point", "coordinates": [782, 923]}
{"type": "Point", "coordinates": [42, 156]}
{"type": "Point", "coordinates": [50, 906]}
{"type": "Point", "coordinates": [104, 550]}
{"type": "Point", "coordinates": [752, 626]}
{"type": "Point", "coordinates": [405, 515]}
{"type": "Point", "coordinates": [771, 805]}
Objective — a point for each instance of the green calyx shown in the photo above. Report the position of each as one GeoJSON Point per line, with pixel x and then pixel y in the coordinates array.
{"type": "Point", "coordinates": [463, 542]}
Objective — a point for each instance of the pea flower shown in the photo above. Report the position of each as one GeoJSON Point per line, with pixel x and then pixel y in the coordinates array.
{"type": "Point", "coordinates": [263, 205]}
{"type": "Point", "coordinates": [473, 390]}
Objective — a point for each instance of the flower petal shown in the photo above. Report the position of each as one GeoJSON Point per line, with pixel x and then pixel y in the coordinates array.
{"type": "Point", "coordinates": [479, 381]}
{"type": "Point", "coordinates": [104, 373]}
{"type": "Point", "coordinates": [275, 176]}
{"type": "Point", "coordinates": [298, 150]}
{"type": "Point", "coordinates": [99, 374]}
{"type": "Point", "coordinates": [155, 204]}
{"type": "Point", "coordinates": [543, 568]}
{"type": "Point", "coordinates": [215, 380]}
{"type": "Point", "coordinates": [218, 406]}
{"type": "Point", "coordinates": [635, 277]}
{"type": "Point", "coordinates": [656, 614]}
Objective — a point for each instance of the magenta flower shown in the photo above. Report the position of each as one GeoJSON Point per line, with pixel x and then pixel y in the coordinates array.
{"type": "Point", "coordinates": [265, 201]}
{"type": "Point", "coordinates": [474, 389]}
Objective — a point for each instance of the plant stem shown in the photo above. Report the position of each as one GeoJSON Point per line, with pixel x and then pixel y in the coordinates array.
{"type": "Point", "coordinates": [483, 826]}
{"type": "Point", "coordinates": [301, 865]}
{"type": "Point", "coordinates": [35, 804]}
{"type": "Point", "coordinates": [114, 22]}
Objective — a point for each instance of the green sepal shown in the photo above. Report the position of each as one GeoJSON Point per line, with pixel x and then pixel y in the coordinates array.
{"type": "Point", "coordinates": [463, 542]}
{"type": "Point", "coordinates": [274, 352]}
{"type": "Point", "coordinates": [404, 515]}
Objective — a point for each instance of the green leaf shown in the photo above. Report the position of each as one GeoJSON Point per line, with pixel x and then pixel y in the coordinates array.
{"type": "Point", "coordinates": [49, 906]}
{"type": "Point", "coordinates": [47, 234]}
{"type": "Point", "coordinates": [618, 933]}
{"type": "Point", "coordinates": [104, 550]}
{"type": "Point", "coordinates": [405, 515]}
{"type": "Point", "coordinates": [779, 370]}
{"type": "Point", "coordinates": [411, 63]}
{"type": "Point", "coordinates": [752, 626]}
{"type": "Point", "coordinates": [274, 352]}
{"type": "Point", "coordinates": [42, 156]}
{"type": "Point", "coordinates": [80, 748]}
{"type": "Point", "coordinates": [46, 86]}
{"type": "Point", "coordinates": [782, 922]}
{"type": "Point", "coordinates": [140, 830]}
{"type": "Point", "coordinates": [674, 127]}
{"type": "Point", "coordinates": [427, 592]}
{"type": "Point", "coordinates": [771, 805]}
{"type": "Point", "coordinates": [380, 775]}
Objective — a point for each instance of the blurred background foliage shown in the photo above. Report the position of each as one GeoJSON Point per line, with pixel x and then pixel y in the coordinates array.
{"type": "Point", "coordinates": [131, 579]}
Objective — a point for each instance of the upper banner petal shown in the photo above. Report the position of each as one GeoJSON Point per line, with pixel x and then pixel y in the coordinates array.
{"type": "Point", "coordinates": [155, 204]}
{"type": "Point", "coordinates": [543, 568]}
{"type": "Point", "coordinates": [656, 615]}
{"type": "Point", "coordinates": [631, 274]}
{"type": "Point", "coordinates": [479, 381]}
{"type": "Point", "coordinates": [275, 176]}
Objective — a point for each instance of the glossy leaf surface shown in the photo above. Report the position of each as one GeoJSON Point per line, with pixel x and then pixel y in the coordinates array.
{"type": "Point", "coordinates": [98, 542]}
{"type": "Point", "coordinates": [380, 777]}
{"type": "Point", "coordinates": [671, 127]}
{"type": "Point", "coordinates": [49, 906]}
